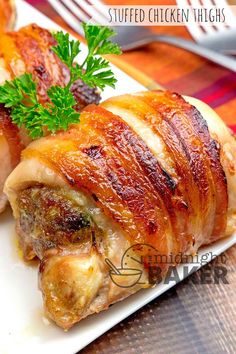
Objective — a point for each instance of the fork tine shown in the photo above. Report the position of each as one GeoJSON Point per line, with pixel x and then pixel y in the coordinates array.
{"type": "Point", "coordinates": [67, 16]}
{"type": "Point", "coordinates": [99, 5]}
{"type": "Point", "coordinates": [194, 29]}
{"type": "Point", "coordinates": [76, 11]}
{"type": "Point", "coordinates": [94, 9]}
{"type": "Point", "coordinates": [208, 28]}
{"type": "Point", "coordinates": [218, 26]}
{"type": "Point", "coordinates": [229, 14]}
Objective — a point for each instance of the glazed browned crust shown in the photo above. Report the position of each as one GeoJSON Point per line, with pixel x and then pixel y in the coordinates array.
{"type": "Point", "coordinates": [104, 157]}
{"type": "Point", "coordinates": [32, 46]}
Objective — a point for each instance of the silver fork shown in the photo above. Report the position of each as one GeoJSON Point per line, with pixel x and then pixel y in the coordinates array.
{"type": "Point", "coordinates": [76, 11]}
{"type": "Point", "coordinates": [220, 37]}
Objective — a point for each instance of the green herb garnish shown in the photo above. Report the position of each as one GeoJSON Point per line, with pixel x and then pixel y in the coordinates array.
{"type": "Point", "coordinates": [20, 94]}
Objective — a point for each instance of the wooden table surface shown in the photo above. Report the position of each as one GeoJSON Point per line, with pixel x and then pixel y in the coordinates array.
{"type": "Point", "coordinates": [189, 318]}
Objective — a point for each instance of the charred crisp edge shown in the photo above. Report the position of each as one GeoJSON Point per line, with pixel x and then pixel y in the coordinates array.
{"type": "Point", "coordinates": [84, 95]}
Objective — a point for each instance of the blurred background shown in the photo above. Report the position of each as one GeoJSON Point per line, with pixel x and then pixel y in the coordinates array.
{"type": "Point", "coordinates": [174, 68]}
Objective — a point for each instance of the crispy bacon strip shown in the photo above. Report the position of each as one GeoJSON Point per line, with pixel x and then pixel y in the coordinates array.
{"type": "Point", "coordinates": [212, 149]}
{"type": "Point", "coordinates": [207, 152]}
{"type": "Point", "coordinates": [196, 157]}
{"type": "Point", "coordinates": [186, 197]}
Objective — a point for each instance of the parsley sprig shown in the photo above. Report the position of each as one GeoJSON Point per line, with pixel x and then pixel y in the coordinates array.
{"type": "Point", "coordinates": [20, 94]}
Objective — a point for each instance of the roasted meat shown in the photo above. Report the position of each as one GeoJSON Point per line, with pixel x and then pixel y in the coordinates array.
{"type": "Point", "coordinates": [55, 219]}
{"type": "Point", "coordinates": [29, 50]}
{"type": "Point", "coordinates": [145, 172]}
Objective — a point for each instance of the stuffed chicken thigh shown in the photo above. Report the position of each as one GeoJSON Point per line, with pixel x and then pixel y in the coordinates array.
{"type": "Point", "coordinates": [140, 173]}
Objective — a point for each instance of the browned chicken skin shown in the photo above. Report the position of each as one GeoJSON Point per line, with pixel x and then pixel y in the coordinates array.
{"type": "Point", "coordinates": [29, 50]}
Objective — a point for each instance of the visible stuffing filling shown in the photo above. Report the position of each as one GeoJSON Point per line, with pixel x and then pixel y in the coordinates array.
{"type": "Point", "coordinates": [52, 218]}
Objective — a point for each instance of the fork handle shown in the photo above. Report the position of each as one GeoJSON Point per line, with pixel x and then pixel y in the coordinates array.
{"type": "Point", "coordinates": [221, 59]}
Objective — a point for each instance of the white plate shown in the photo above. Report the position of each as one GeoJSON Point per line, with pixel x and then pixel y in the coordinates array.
{"type": "Point", "coordinates": [23, 328]}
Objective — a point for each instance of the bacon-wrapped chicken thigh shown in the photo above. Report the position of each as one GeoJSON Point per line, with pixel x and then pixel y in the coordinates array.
{"type": "Point", "coordinates": [29, 50]}
{"type": "Point", "coordinates": [139, 169]}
